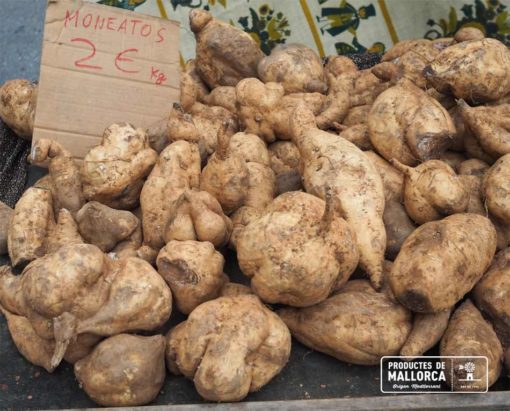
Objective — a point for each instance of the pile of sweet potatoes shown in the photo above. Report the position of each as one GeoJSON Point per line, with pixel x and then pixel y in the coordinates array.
{"type": "Point", "coordinates": [311, 171]}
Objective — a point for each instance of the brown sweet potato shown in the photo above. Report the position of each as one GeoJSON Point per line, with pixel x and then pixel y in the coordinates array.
{"type": "Point", "coordinates": [428, 329]}
{"type": "Point", "coordinates": [357, 324]}
{"type": "Point", "coordinates": [432, 190]}
{"type": "Point", "coordinates": [468, 334]}
{"type": "Point", "coordinates": [192, 87]}
{"type": "Point", "coordinates": [496, 187]}
{"type": "Point", "coordinates": [222, 96]}
{"type": "Point", "coordinates": [331, 161]}
{"type": "Point", "coordinates": [285, 157]}
{"type": "Point", "coordinates": [65, 232]}
{"type": "Point", "coordinates": [18, 100]}
{"type": "Point", "coordinates": [476, 70]}
{"type": "Point", "coordinates": [296, 67]}
{"type": "Point", "coordinates": [224, 54]}
{"type": "Point", "coordinates": [64, 173]}
{"type": "Point", "coordinates": [30, 226]}
{"type": "Point", "coordinates": [359, 136]}
{"type": "Point", "coordinates": [177, 170]}
{"type": "Point", "coordinates": [123, 370]}
{"type": "Point", "coordinates": [406, 124]}
{"type": "Point", "coordinates": [194, 272]}
{"type": "Point", "coordinates": [286, 274]}
{"type": "Point", "coordinates": [229, 347]}
{"type": "Point", "coordinates": [113, 172]}
{"type": "Point", "coordinates": [441, 261]}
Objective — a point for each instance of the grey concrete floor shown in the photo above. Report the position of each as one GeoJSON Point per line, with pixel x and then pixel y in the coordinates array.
{"type": "Point", "coordinates": [21, 28]}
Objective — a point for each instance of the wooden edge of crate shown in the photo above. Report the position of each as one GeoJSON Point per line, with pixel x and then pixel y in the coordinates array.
{"type": "Point", "coordinates": [424, 402]}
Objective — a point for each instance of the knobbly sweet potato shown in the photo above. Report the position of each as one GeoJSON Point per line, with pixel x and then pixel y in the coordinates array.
{"type": "Point", "coordinates": [330, 161]}
{"type": "Point", "coordinates": [192, 87]}
{"type": "Point", "coordinates": [65, 232]}
{"type": "Point", "coordinates": [428, 329]}
{"type": "Point", "coordinates": [441, 261]}
{"type": "Point", "coordinates": [113, 173]}
{"type": "Point", "coordinates": [476, 70]}
{"type": "Point", "coordinates": [222, 96]}
{"type": "Point", "coordinates": [496, 188]}
{"type": "Point", "coordinates": [284, 156]}
{"type": "Point", "coordinates": [406, 124]}
{"type": "Point", "coordinates": [296, 67]}
{"type": "Point", "coordinates": [194, 272]}
{"type": "Point", "coordinates": [18, 100]}
{"type": "Point", "coordinates": [358, 135]}
{"type": "Point", "coordinates": [224, 54]}
{"type": "Point", "coordinates": [123, 370]}
{"type": "Point", "coordinates": [285, 273]}
{"type": "Point", "coordinates": [229, 347]}
{"type": "Point", "coordinates": [177, 170]}
{"type": "Point", "coordinates": [432, 190]}
{"type": "Point", "coordinates": [357, 324]}
{"type": "Point", "coordinates": [64, 173]}
{"type": "Point", "coordinates": [468, 334]}
{"type": "Point", "coordinates": [30, 226]}
{"type": "Point", "coordinates": [492, 293]}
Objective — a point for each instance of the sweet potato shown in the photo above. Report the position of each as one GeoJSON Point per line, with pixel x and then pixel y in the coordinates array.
{"type": "Point", "coordinates": [432, 190]}
{"type": "Point", "coordinates": [222, 96]}
{"type": "Point", "coordinates": [158, 135]}
{"type": "Point", "coordinates": [177, 170]}
{"type": "Point", "coordinates": [192, 87]}
{"type": "Point", "coordinates": [338, 65]}
{"type": "Point", "coordinates": [296, 67]}
{"type": "Point", "coordinates": [113, 173]}
{"type": "Point", "coordinates": [441, 261]}
{"type": "Point", "coordinates": [123, 370]}
{"type": "Point", "coordinates": [476, 70]}
{"type": "Point", "coordinates": [285, 157]}
{"type": "Point", "coordinates": [496, 186]}
{"type": "Point", "coordinates": [198, 216]}
{"type": "Point", "coordinates": [468, 334]}
{"type": "Point", "coordinates": [105, 227]}
{"type": "Point", "coordinates": [358, 135]}
{"type": "Point", "coordinates": [406, 124]}
{"type": "Point", "coordinates": [453, 159]}
{"type": "Point", "coordinates": [6, 214]}
{"type": "Point", "coordinates": [492, 293]}
{"type": "Point", "coordinates": [194, 272]}
{"type": "Point", "coordinates": [357, 324]}
{"type": "Point", "coordinates": [428, 329]}
{"type": "Point", "coordinates": [65, 232]}
{"type": "Point", "coordinates": [357, 115]}
{"type": "Point", "coordinates": [331, 161]}
{"type": "Point", "coordinates": [64, 173]}
{"type": "Point", "coordinates": [224, 54]}
{"type": "Point", "coordinates": [200, 125]}
{"type": "Point", "coordinates": [490, 126]}
{"type": "Point", "coordinates": [30, 225]}
{"type": "Point", "coordinates": [229, 347]}
{"type": "Point", "coordinates": [18, 100]}
{"type": "Point", "coordinates": [468, 34]}
{"type": "Point", "coordinates": [286, 274]}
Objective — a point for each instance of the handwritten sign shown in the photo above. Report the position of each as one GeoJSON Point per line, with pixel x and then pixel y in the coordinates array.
{"type": "Point", "coordinates": [101, 65]}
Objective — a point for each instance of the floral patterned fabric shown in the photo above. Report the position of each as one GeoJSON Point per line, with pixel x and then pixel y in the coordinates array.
{"type": "Point", "coordinates": [335, 26]}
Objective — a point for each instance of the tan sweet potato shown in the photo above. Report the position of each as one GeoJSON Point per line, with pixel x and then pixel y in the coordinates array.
{"type": "Point", "coordinates": [229, 347]}
{"type": "Point", "coordinates": [468, 34]}
{"type": "Point", "coordinates": [240, 219]}
{"type": "Point", "coordinates": [331, 161]}
{"type": "Point", "coordinates": [177, 170]}
{"type": "Point", "coordinates": [158, 135]}
{"type": "Point", "coordinates": [224, 54]}
{"type": "Point", "coordinates": [432, 190]}
{"type": "Point", "coordinates": [123, 370]}
{"type": "Point", "coordinates": [198, 216]}
{"type": "Point", "coordinates": [469, 334]}
{"type": "Point", "coordinates": [496, 186]}
{"type": "Point", "coordinates": [490, 125]}
{"type": "Point", "coordinates": [113, 172]}
{"type": "Point", "coordinates": [476, 70]}
{"type": "Point", "coordinates": [233, 290]}
{"type": "Point", "coordinates": [200, 125]}
{"type": "Point", "coordinates": [192, 87]}
{"type": "Point", "coordinates": [359, 136]}
{"type": "Point", "coordinates": [428, 329]}
{"type": "Point", "coordinates": [406, 124]}
{"type": "Point", "coordinates": [64, 173]}
{"type": "Point", "coordinates": [492, 293]}
{"type": "Point", "coordinates": [285, 157]}
{"type": "Point", "coordinates": [30, 225]}
{"type": "Point", "coordinates": [357, 115]}
{"type": "Point", "coordinates": [285, 273]}
{"type": "Point", "coordinates": [6, 214]}
{"type": "Point", "coordinates": [453, 159]}
{"type": "Point", "coordinates": [222, 96]}
{"type": "Point", "coordinates": [18, 100]}
{"type": "Point", "coordinates": [441, 261]}
{"type": "Point", "coordinates": [296, 67]}
{"type": "Point", "coordinates": [105, 227]}
{"type": "Point", "coordinates": [473, 167]}
{"type": "Point", "coordinates": [357, 324]}
{"type": "Point", "coordinates": [337, 65]}
{"type": "Point", "coordinates": [194, 272]}
{"type": "Point", "coordinates": [65, 232]}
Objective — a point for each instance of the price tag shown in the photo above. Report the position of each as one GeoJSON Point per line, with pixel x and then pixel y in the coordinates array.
{"type": "Point", "coordinates": [101, 65]}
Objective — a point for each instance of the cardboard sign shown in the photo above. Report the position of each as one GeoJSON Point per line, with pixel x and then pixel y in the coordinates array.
{"type": "Point", "coordinates": [102, 65]}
